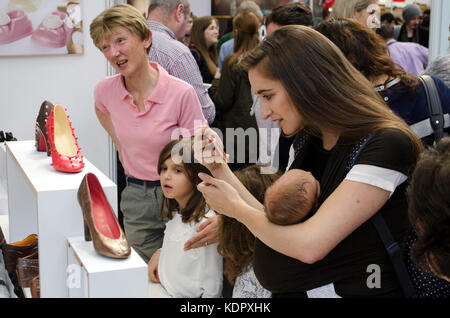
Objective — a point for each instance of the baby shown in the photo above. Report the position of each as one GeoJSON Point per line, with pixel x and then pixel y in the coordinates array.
{"type": "Point", "coordinates": [292, 197]}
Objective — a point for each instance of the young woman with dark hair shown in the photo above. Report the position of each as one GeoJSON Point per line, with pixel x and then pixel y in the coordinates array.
{"type": "Point", "coordinates": [203, 46]}
{"type": "Point", "coordinates": [335, 113]}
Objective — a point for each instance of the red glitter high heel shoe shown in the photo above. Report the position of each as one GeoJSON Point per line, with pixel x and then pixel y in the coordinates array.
{"type": "Point", "coordinates": [66, 156]}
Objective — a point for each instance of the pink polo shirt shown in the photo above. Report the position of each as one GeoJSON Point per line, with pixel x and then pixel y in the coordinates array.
{"type": "Point", "coordinates": [172, 104]}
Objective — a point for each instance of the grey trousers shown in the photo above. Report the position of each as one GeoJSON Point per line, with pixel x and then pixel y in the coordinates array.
{"type": "Point", "coordinates": [144, 226]}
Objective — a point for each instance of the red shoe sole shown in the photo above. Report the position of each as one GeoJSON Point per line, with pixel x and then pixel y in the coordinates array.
{"type": "Point", "coordinates": [42, 145]}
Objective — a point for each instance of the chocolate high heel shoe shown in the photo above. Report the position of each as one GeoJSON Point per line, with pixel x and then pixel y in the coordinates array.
{"type": "Point", "coordinates": [27, 268]}
{"type": "Point", "coordinates": [35, 287]}
{"type": "Point", "coordinates": [10, 137]}
{"type": "Point", "coordinates": [66, 156]}
{"type": "Point", "coordinates": [40, 135]}
{"type": "Point", "coordinates": [100, 223]}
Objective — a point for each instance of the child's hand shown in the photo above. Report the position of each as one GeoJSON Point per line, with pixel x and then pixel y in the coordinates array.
{"type": "Point", "coordinates": [153, 267]}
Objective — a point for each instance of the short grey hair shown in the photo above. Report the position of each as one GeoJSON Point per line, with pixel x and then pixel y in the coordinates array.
{"type": "Point", "coordinates": [169, 5]}
{"type": "Point", "coordinates": [250, 6]}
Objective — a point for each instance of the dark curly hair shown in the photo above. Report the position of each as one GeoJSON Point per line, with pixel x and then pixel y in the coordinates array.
{"type": "Point", "coordinates": [429, 209]}
{"type": "Point", "coordinates": [236, 242]}
{"type": "Point", "coordinates": [365, 49]}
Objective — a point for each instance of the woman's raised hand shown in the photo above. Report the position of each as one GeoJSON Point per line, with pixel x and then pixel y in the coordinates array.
{"type": "Point", "coordinates": [208, 148]}
{"type": "Point", "coordinates": [219, 195]}
{"type": "Point", "coordinates": [206, 234]}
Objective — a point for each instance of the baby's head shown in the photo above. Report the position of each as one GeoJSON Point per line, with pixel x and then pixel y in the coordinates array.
{"type": "Point", "coordinates": [290, 199]}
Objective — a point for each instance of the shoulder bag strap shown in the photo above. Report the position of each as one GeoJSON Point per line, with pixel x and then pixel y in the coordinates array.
{"type": "Point", "coordinates": [434, 106]}
{"type": "Point", "coordinates": [392, 246]}
{"type": "Point", "coordinates": [395, 255]}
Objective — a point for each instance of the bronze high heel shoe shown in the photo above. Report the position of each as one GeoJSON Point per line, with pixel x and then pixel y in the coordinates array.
{"type": "Point", "coordinates": [42, 142]}
{"type": "Point", "coordinates": [100, 223]}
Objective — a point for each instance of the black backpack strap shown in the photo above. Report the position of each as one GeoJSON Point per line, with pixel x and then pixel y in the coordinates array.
{"type": "Point", "coordinates": [392, 246]}
{"type": "Point", "coordinates": [434, 106]}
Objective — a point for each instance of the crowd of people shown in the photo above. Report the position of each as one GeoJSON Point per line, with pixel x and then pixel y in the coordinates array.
{"type": "Point", "coordinates": [341, 126]}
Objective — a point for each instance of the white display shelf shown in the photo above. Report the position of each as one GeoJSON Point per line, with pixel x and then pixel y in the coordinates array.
{"type": "Point", "coordinates": [92, 275]}
{"type": "Point", "coordinates": [3, 193]}
{"type": "Point", "coordinates": [44, 201]}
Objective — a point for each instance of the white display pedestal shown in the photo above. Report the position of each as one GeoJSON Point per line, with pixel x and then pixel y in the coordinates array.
{"type": "Point", "coordinates": [92, 275]}
{"type": "Point", "coordinates": [44, 201]}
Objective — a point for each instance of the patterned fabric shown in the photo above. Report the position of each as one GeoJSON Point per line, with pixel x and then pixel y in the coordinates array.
{"type": "Point", "coordinates": [247, 286]}
{"type": "Point", "coordinates": [356, 150]}
{"type": "Point", "coordinates": [178, 61]}
{"type": "Point", "coordinates": [326, 291]}
{"type": "Point", "coordinates": [426, 284]}
{"type": "Point", "coordinates": [300, 142]}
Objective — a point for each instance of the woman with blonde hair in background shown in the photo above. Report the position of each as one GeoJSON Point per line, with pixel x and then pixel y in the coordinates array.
{"type": "Point", "coordinates": [366, 12]}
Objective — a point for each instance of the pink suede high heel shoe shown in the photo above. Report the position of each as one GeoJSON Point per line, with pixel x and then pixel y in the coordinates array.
{"type": "Point", "coordinates": [14, 26]}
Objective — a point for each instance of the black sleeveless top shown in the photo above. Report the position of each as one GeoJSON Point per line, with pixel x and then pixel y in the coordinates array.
{"type": "Point", "coordinates": [347, 264]}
